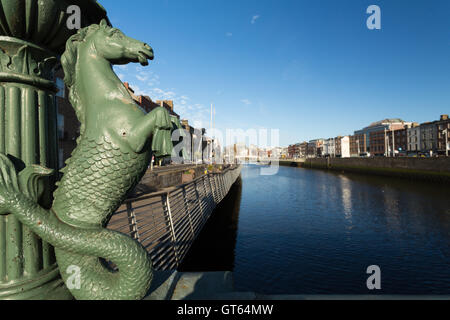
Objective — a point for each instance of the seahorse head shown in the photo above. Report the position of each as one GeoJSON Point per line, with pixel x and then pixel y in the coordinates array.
{"type": "Point", "coordinates": [104, 42]}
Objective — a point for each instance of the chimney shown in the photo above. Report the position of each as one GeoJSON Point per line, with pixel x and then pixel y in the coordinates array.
{"type": "Point", "coordinates": [170, 104]}
{"type": "Point", "coordinates": [444, 117]}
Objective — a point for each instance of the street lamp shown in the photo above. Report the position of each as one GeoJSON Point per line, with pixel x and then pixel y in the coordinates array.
{"type": "Point", "coordinates": [386, 143]}
{"type": "Point", "coordinates": [334, 147]}
{"type": "Point", "coordinates": [446, 141]}
{"type": "Point", "coordinates": [393, 143]}
{"type": "Point", "coordinates": [359, 149]}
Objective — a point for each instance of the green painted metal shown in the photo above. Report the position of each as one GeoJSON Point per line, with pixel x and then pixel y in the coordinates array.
{"type": "Point", "coordinates": [44, 22]}
{"type": "Point", "coordinates": [112, 155]}
{"type": "Point", "coordinates": [29, 32]}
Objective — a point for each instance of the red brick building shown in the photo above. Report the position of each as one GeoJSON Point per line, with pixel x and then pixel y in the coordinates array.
{"type": "Point", "coordinates": [314, 148]}
{"type": "Point", "coordinates": [378, 140]}
{"type": "Point", "coordinates": [298, 150]}
{"type": "Point", "coordinates": [69, 126]}
{"type": "Point", "coordinates": [338, 146]}
{"type": "Point", "coordinates": [400, 141]}
{"type": "Point", "coordinates": [389, 142]}
{"type": "Point", "coordinates": [292, 151]}
{"type": "Point", "coordinates": [358, 145]}
{"type": "Point", "coordinates": [148, 104]}
{"type": "Point", "coordinates": [303, 149]}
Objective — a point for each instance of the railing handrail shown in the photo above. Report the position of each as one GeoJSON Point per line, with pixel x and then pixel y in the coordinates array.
{"type": "Point", "coordinates": [168, 225]}
{"type": "Point", "coordinates": [168, 191]}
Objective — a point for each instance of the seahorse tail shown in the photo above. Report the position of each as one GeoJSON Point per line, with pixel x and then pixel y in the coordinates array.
{"type": "Point", "coordinates": [78, 253]}
{"type": "Point", "coordinates": [77, 249]}
{"type": "Point", "coordinates": [89, 279]}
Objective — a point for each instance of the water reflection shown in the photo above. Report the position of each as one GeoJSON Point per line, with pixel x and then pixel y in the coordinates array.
{"type": "Point", "coordinates": [346, 191]}
{"type": "Point", "coordinates": [316, 232]}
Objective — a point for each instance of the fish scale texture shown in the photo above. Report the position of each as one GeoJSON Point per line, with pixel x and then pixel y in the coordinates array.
{"type": "Point", "coordinates": [80, 248]}
{"type": "Point", "coordinates": [102, 170]}
{"type": "Point", "coordinates": [96, 180]}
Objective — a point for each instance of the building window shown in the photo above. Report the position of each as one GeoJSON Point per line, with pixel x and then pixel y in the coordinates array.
{"type": "Point", "coordinates": [61, 88]}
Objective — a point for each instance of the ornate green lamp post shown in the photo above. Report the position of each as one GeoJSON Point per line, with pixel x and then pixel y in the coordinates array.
{"type": "Point", "coordinates": [33, 34]}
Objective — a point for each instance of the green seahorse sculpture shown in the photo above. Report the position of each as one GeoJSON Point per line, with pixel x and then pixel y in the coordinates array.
{"type": "Point", "coordinates": [112, 155]}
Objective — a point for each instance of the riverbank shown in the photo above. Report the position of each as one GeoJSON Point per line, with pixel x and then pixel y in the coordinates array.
{"type": "Point", "coordinates": [292, 163]}
{"type": "Point", "coordinates": [219, 286]}
{"type": "Point", "coordinates": [428, 169]}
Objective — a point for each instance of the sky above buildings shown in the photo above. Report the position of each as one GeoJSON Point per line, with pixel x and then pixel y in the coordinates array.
{"type": "Point", "coordinates": [311, 69]}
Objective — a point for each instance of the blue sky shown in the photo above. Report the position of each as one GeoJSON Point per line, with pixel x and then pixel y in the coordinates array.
{"type": "Point", "coordinates": [309, 68]}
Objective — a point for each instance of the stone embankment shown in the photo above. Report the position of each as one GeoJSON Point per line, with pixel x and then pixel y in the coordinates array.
{"type": "Point", "coordinates": [431, 169]}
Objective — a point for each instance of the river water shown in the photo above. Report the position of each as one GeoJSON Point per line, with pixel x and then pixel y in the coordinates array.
{"type": "Point", "coordinates": [315, 232]}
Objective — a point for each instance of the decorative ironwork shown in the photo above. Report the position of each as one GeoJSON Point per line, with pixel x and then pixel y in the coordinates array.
{"type": "Point", "coordinates": [168, 231]}
{"type": "Point", "coordinates": [113, 153]}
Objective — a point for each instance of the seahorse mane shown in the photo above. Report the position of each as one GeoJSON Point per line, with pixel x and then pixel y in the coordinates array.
{"type": "Point", "coordinates": [69, 61]}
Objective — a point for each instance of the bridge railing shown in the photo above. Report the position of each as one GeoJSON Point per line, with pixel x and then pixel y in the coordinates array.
{"type": "Point", "coordinates": [167, 223]}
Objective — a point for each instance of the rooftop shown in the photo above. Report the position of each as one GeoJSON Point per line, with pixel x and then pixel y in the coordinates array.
{"type": "Point", "coordinates": [386, 121]}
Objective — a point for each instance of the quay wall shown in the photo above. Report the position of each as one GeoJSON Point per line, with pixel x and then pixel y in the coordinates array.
{"type": "Point", "coordinates": [431, 169]}
{"type": "Point", "coordinates": [291, 163]}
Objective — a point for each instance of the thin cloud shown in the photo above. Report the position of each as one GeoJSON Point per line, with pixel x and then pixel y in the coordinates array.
{"type": "Point", "coordinates": [255, 17]}
{"type": "Point", "coordinates": [122, 67]}
{"type": "Point", "coordinates": [145, 75]}
{"type": "Point", "coordinates": [229, 34]}
{"type": "Point", "coordinates": [147, 83]}
{"type": "Point", "coordinates": [141, 77]}
{"type": "Point", "coordinates": [246, 101]}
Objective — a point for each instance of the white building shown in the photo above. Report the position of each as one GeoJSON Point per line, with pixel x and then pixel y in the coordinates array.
{"type": "Point", "coordinates": [253, 151]}
{"type": "Point", "coordinates": [345, 147]}
{"type": "Point", "coordinates": [329, 148]}
{"type": "Point", "coordinates": [283, 153]}
{"type": "Point", "coordinates": [277, 152]}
